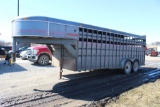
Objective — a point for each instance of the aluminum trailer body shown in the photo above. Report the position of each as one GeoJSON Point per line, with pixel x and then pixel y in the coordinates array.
{"type": "Point", "coordinates": [81, 46]}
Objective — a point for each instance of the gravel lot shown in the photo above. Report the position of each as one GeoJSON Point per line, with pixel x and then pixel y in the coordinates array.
{"type": "Point", "coordinates": [24, 77]}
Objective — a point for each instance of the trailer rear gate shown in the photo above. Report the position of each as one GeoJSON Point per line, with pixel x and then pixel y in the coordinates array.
{"type": "Point", "coordinates": [79, 46]}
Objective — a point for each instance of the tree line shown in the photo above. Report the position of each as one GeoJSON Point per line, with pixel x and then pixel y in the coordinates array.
{"type": "Point", "coordinates": [155, 43]}
{"type": "Point", "coordinates": [4, 43]}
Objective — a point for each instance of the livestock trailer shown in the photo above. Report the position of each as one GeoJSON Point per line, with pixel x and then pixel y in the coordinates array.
{"type": "Point", "coordinates": [79, 46]}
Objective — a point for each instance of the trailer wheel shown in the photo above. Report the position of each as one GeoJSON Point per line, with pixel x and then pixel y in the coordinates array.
{"type": "Point", "coordinates": [127, 67]}
{"type": "Point", "coordinates": [43, 60]}
{"type": "Point", "coordinates": [135, 66]}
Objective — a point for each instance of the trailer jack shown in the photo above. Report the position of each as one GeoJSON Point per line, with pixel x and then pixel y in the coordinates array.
{"type": "Point", "coordinates": [60, 74]}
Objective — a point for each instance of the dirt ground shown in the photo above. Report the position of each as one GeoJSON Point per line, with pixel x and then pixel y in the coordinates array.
{"type": "Point", "coordinates": [147, 95]}
{"type": "Point", "coordinates": [25, 82]}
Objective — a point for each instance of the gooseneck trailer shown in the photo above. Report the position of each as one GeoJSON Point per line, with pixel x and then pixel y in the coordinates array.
{"type": "Point", "coordinates": [81, 47]}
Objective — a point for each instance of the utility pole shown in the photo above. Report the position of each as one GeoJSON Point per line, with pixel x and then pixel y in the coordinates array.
{"type": "Point", "coordinates": [14, 43]}
{"type": "Point", "coordinates": [18, 8]}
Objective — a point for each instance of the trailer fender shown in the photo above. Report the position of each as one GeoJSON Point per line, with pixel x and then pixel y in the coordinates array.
{"type": "Point", "coordinates": [135, 60]}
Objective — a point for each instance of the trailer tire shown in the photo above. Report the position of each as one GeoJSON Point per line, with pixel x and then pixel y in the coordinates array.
{"type": "Point", "coordinates": [127, 67]}
{"type": "Point", "coordinates": [135, 66]}
{"type": "Point", "coordinates": [43, 60]}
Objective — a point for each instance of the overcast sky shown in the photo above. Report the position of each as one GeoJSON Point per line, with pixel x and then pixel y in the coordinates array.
{"type": "Point", "coordinates": [140, 17]}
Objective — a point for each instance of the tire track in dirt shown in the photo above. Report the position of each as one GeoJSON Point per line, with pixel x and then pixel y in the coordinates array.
{"type": "Point", "coordinates": [96, 87]}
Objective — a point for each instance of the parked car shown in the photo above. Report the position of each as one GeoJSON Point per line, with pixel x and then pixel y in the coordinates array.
{"type": "Point", "coordinates": [20, 50]}
{"type": "Point", "coordinates": [39, 54]}
{"type": "Point", "coordinates": [6, 48]}
{"type": "Point", "coordinates": [2, 51]}
{"type": "Point", "coordinates": [23, 55]}
{"type": "Point", "coordinates": [10, 51]}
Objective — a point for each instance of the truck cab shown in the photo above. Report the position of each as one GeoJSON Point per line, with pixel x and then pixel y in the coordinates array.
{"type": "Point", "coordinates": [39, 54]}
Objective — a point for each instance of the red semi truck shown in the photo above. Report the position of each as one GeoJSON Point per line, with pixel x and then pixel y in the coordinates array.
{"type": "Point", "coordinates": [39, 54]}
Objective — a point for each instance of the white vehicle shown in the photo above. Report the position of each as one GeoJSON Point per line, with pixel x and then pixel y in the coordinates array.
{"type": "Point", "coordinates": [24, 55]}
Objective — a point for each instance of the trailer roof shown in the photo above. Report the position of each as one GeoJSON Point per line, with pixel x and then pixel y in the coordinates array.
{"type": "Point", "coordinates": [43, 18]}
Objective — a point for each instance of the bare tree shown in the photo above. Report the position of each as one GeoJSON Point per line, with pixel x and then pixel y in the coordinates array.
{"type": "Point", "coordinates": [4, 43]}
{"type": "Point", "coordinates": [155, 43]}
